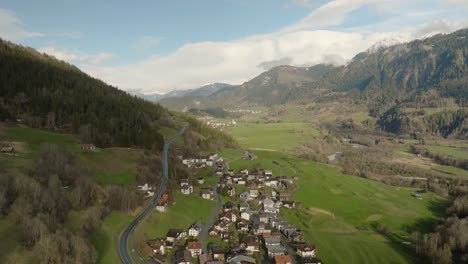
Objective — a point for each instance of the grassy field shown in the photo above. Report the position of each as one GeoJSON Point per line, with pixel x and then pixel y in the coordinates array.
{"type": "Point", "coordinates": [273, 136]}
{"type": "Point", "coordinates": [109, 166]}
{"type": "Point", "coordinates": [187, 210]}
{"type": "Point", "coordinates": [340, 212]}
{"type": "Point", "coordinates": [106, 239]}
{"type": "Point", "coordinates": [457, 152]}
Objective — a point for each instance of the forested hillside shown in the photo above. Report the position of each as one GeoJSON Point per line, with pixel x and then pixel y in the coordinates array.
{"type": "Point", "coordinates": [56, 199]}
{"type": "Point", "coordinates": [42, 92]}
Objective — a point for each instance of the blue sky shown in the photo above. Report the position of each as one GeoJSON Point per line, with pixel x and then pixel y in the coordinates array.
{"type": "Point", "coordinates": [157, 46]}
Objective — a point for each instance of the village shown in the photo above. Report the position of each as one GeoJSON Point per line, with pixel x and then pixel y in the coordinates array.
{"type": "Point", "coordinates": [210, 121]}
{"type": "Point", "coordinates": [248, 223]}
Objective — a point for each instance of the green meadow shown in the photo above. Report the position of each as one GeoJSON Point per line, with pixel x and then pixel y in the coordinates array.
{"type": "Point", "coordinates": [457, 152]}
{"type": "Point", "coordinates": [187, 210]}
{"type": "Point", "coordinates": [273, 136]}
{"type": "Point", "coordinates": [339, 212]}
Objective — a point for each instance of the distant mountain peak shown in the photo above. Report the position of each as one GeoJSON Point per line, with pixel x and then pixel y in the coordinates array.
{"type": "Point", "coordinates": [385, 43]}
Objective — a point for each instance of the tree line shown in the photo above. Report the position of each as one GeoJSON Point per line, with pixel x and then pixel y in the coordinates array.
{"type": "Point", "coordinates": [40, 202]}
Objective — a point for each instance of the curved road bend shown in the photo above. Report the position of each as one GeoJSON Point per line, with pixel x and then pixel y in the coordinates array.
{"type": "Point", "coordinates": [124, 250]}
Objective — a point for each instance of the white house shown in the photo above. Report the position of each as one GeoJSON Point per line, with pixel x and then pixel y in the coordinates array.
{"type": "Point", "coordinates": [162, 207]}
{"type": "Point", "coordinates": [207, 193]}
{"type": "Point", "coordinates": [253, 193]}
{"type": "Point", "coordinates": [246, 214]}
{"type": "Point", "coordinates": [306, 250]}
{"type": "Point", "coordinates": [194, 230]}
{"type": "Point", "coordinates": [186, 189]}
{"type": "Point", "coordinates": [144, 187]}
{"type": "Point", "coordinates": [269, 206]}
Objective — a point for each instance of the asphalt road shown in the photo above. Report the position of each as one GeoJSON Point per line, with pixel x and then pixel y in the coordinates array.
{"type": "Point", "coordinates": [126, 243]}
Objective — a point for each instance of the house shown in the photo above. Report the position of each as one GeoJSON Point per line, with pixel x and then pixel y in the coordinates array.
{"type": "Point", "coordinates": [272, 241]}
{"type": "Point", "coordinates": [244, 171]}
{"type": "Point", "coordinates": [207, 193]}
{"type": "Point", "coordinates": [168, 244]}
{"type": "Point", "coordinates": [7, 149]}
{"type": "Point", "coordinates": [253, 247]}
{"type": "Point", "coordinates": [186, 189]}
{"type": "Point", "coordinates": [158, 246]}
{"type": "Point", "coordinates": [284, 196]}
{"type": "Point", "coordinates": [213, 232]}
{"type": "Point", "coordinates": [205, 258]}
{"type": "Point", "coordinates": [306, 250]}
{"type": "Point", "coordinates": [144, 187]}
{"type": "Point", "coordinates": [249, 156]}
{"type": "Point", "coordinates": [201, 180]}
{"type": "Point", "coordinates": [268, 173]}
{"type": "Point", "coordinates": [266, 217]}
{"type": "Point", "coordinates": [246, 214]}
{"type": "Point", "coordinates": [261, 228]}
{"type": "Point", "coordinates": [282, 259]}
{"type": "Point", "coordinates": [183, 257]}
{"type": "Point", "coordinates": [175, 234]}
{"type": "Point", "coordinates": [162, 206]}
{"type": "Point", "coordinates": [291, 204]}
{"type": "Point", "coordinates": [243, 225]}
{"type": "Point", "coordinates": [271, 183]}
{"type": "Point", "coordinates": [245, 196]}
{"type": "Point", "coordinates": [195, 248]}
{"type": "Point", "coordinates": [253, 194]}
{"type": "Point", "coordinates": [275, 251]}
{"type": "Point", "coordinates": [221, 227]}
{"type": "Point", "coordinates": [296, 237]}
{"type": "Point", "coordinates": [87, 147]}
{"type": "Point", "coordinates": [195, 229]}
{"type": "Point", "coordinates": [243, 207]}
{"type": "Point", "coordinates": [269, 206]}
{"type": "Point", "coordinates": [212, 156]}
{"type": "Point", "coordinates": [228, 206]}
{"type": "Point", "coordinates": [230, 216]}
{"type": "Point", "coordinates": [218, 253]}
{"type": "Point", "coordinates": [240, 259]}
{"type": "Point", "coordinates": [231, 191]}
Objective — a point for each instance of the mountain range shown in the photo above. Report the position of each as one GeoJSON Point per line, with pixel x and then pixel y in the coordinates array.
{"type": "Point", "coordinates": [431, 72]}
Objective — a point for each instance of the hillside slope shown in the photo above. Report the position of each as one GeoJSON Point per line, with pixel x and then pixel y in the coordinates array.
{"type": "Point", "coordinates": [46, 93]}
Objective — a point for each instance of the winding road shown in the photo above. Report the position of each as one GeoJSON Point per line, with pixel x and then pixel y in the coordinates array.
{"type": "Point", "coordinates": [127, 235]}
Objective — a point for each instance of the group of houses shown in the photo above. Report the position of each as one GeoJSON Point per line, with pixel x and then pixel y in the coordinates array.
{"type": "Point", "coordinates": [252, 222]}
{"type": "Point", "coordinates": [249, 224]}
{"type": "Point", "coordinates": [210, 121]}
{"type": "Point", "coordinates": [203, 161]}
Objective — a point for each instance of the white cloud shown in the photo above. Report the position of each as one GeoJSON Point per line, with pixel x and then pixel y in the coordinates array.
{"type": "Point", "coordinates": [11, 27]}
{"type": "Point", "coordinates": [307, 42]}
{"type": "Point", "coordinates": [459, 3]}
{"type": "Point", "coordinates": [66, 55]}
{"type": "Point", "coordinates": [331, 14]}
